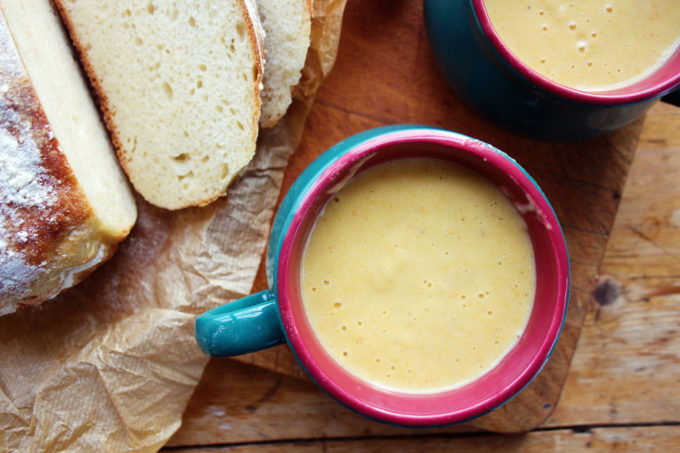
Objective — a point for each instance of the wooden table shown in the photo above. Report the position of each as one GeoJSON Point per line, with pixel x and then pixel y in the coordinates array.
{"type": "Point", "coordinates": [622, 388]}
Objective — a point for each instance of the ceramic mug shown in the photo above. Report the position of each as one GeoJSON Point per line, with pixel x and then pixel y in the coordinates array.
{"type": "Point", "coordinates": [488, 77]}
{"type": "Point", "coordinates": [277, 315]}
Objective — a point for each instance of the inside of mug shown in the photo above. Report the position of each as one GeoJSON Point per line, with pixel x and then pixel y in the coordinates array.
{"type": "Point", "coordinates": [670, 70]}
{"type": "Point", "coordinates": [514, 371]}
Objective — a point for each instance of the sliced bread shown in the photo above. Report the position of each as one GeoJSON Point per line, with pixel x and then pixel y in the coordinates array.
{"type": "Point", "coordinates": [178, 82]}
{"type": "Point", "coordinates": [64, 201]}
{"type": "Point", "coordinates": [287, 25]}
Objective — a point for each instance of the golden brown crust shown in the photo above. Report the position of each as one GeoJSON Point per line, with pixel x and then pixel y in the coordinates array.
{"type": "Point", "coordinates": [46, 220]}
{"type": "Point", "coordinates": [47, 224]}
{"type": "Point", "coordinates": [21, 114]}
{"type": "Point", "coordinates": [68, 208]}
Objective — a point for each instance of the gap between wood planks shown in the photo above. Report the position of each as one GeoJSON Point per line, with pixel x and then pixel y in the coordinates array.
{"type": "Point", "coordinates": [577, 429]}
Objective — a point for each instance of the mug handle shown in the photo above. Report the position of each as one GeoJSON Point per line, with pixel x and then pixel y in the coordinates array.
{"type": "Point", "coordinates": [240, 327]}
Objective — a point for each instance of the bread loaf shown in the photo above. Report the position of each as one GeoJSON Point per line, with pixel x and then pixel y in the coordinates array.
{"type": "Point", "coordinates": [64, 202]}
{"type": "Point", "coordinates": [178, 83]}
{"type": "Point", "coordinates": [287, 25]}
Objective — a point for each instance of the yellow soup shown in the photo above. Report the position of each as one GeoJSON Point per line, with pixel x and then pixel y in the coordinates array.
{"type": "Point", "coordinates": [590, 45]}
{"type": "Point", "coordinates": [418, 276]}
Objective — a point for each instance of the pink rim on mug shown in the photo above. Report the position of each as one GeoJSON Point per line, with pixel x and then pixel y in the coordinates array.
{"type": "Point", "coordinates": [516, 369]}
{"type": "Point", "coordinates": [665, 79]}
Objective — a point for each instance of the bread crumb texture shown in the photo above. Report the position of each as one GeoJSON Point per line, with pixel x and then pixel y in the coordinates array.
{"type": "Point", "coordinates": [287, 25]}
{"type": "Point", "coordinates": [179, 85]}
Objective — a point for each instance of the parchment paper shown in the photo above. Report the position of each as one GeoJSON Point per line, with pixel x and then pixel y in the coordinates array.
{"type": "Point", "coordinates": [110, 364]}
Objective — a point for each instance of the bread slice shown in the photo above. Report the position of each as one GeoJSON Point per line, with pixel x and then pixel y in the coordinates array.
{"type": "Point", "coordinates": [287, 25]}
{"type": "Point", "coordinates": [64, 201]}
{"type": "Point", "coordinates": [178, 82]}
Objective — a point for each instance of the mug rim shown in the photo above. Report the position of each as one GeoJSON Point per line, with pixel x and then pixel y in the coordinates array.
{"type": "Point", "coordinates": [619, 96]}
{"type": "Point", "coordinates": [354, 156]}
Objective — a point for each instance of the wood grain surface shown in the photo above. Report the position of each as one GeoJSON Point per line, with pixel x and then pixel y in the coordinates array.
{"type": "Point", "coordinates": [626, 369]}
{"type": "Point", "coordinates": [626, 366]}
{"type": "Point", "coordinates": [661, 439]}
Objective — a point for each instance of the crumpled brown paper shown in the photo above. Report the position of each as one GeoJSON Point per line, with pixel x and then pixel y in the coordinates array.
{"type": "Point", "coordinates": [110, 364]}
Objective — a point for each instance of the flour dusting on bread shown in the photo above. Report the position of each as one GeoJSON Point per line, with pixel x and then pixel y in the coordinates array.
{"type": "Point", "coordinates": [64, 203]}
{"type": "Point", "coordinates": [24, 185]}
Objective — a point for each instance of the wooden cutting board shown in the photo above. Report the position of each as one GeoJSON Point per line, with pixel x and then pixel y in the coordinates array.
{"type": "Point", "coordinates": [385, 74]}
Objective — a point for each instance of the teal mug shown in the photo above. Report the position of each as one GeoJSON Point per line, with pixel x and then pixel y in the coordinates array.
{"type": "Point", "coordinates": [488, 77]}
{"type": "Point", "coordinates": [277, 315]}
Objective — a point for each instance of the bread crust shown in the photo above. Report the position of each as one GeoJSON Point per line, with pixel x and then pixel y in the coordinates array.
{"type": "Point", "coordinates": [102, 100]}
{"type": "Point", "coordinates": [279, 88]}
{"type": "Point", "coordinates": [99, 94]}
{"type": "Point", "coordinates": [50, 214]}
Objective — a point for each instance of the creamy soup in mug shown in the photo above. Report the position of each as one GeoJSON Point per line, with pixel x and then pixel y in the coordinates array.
{"type": "Point", "coordinates": [589, 45]}
{"type": "Point", "coordinates": [418, 276]}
